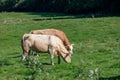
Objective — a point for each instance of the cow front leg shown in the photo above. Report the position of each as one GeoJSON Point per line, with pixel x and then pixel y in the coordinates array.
{"type": "Point", "coordinates": [58, 59]}
{"type": "Point", "coordinates": [52, 61]}
{"type": "Point", "coordinates": [51, 51]}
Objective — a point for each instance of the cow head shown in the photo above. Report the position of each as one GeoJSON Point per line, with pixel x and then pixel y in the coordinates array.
{"type": "Point", "coordinates": [67, 58]}
{"type": "Point", "coordinates": [70, 48]}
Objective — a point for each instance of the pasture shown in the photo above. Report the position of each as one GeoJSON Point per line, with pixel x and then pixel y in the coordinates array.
{"type": "Point", "coordinates": [96, 54]}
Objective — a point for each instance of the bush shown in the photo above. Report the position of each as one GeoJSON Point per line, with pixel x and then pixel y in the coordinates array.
{"type": "Point", "coordinates": [67, 6]}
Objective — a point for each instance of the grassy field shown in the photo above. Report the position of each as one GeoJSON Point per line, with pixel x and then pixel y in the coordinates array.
{"type": "Point", "coordinates": [96, 50]}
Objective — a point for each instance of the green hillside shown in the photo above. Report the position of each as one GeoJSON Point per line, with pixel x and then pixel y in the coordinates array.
{"type": "Point", "coordinates": [96, 50]}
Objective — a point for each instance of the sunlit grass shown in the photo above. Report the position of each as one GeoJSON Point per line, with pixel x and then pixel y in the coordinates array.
{"type": "Point", "coordinates": [97, 45]}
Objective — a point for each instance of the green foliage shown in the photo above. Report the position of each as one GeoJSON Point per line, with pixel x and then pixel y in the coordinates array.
{"type": "Point", "coordinates": [7, 5]}
{"type": "Point", "coordinates": [96, 49]}
{"type": "Point", "coordinates": [64, 6]}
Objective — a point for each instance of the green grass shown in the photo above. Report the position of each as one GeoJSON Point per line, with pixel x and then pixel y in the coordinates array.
{"type": "Point", "coordinates": [97, 45]}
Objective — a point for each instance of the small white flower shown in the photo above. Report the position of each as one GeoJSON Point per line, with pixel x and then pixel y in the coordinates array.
{"type": "Point", "coordinates": [91, 72]}
{"type": "Point", "coordinates": [80, 75]}
{"type": "Point", "coordinates": [96, 70]}
{"type": "Point", "coordinates": [47, 74]}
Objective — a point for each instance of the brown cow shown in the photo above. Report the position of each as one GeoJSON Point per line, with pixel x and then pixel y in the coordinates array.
{"type": "Point", "coordinates": [44, 43]}
{"type": "Point", "coordinates": [57, 33]}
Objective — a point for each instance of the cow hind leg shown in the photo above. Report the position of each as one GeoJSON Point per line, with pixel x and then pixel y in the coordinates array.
{"type": "Point", "coordinates": [23, 57]}
{"type": "Point", "coordinates": [36, 58]}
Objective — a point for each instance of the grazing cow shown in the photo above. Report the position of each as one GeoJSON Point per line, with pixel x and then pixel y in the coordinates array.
{"type": "Point", "coordinates": [57, 33]}
{"type": "Point", "coordinates": [44, 43]}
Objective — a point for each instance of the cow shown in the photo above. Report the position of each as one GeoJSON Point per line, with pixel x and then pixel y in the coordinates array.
{"type": "Point", "coordinates": [57, 33]}
{"type": "Point", "coordinates": [44, 43]}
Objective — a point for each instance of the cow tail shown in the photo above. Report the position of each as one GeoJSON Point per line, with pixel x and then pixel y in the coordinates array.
{"type": "Point", "coordinates": [25, 36]}
{"type": "Point", "coordinates": [23, 39]}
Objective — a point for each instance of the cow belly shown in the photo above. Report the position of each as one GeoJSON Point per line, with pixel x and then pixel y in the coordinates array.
{"type": "Point", "coordinates": [41, 46]}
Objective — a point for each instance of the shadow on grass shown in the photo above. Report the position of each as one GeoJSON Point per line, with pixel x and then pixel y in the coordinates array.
{"type": "Point", "coordinates": [5, 63]}
{"type": "Point", "coordinates": [46, 63]}
{"type": "Point", "coordinates": [17, 56]}
{"type": "Point", "coordinates": [60, 16]}
{"type": "Point", "coordinates": [55, 18]}
{"type": "Point", "coordinates": [110, 78]}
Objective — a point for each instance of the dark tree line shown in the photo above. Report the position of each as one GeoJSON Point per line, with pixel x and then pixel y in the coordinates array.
{"type": "Point", "coordinates": [66, 6]}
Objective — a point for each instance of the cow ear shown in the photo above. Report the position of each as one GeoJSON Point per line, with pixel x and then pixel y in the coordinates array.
{"type": "Point", "coordinates": [72, 44]}
{"type": "Point", "coordinates": [67, 47]}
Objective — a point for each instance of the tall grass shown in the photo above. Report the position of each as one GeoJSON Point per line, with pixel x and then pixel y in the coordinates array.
{"type": "Point", "coordinates": [96, 49]}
